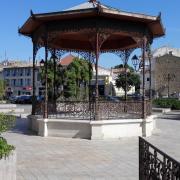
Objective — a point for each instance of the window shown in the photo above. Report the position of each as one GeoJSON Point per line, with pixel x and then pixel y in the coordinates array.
{"type": "Point", "coordinates": [28, 71]}
{"type": "Point", "coordinates": [13, 82]}
{"type": "Point", "coordinates": [27, 82]}
{"type": "Point", "coordinates": [148, 79]}
{"type": "Point", "coordinates": [21, 82]}
{"type": "Point", "coordinates": [6, 72]}
{"type": "Point", "coordinates": [21, 72]}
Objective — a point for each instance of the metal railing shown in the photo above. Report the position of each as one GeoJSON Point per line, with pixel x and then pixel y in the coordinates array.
{"type": "Point", "coordinates": [85, 109]}
{"type": "Point", "coordinates": [155, 164]}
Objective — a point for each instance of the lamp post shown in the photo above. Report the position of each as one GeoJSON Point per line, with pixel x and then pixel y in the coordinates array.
{"type": "Point", "coordinates": [168, 78]}
{"type": "Point", "coordinates": [136, 63]}
{"type": "Point", "coordinates": [41, 63]}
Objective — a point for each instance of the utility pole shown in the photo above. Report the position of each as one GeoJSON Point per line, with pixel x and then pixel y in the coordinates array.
{"type": "Point", "coordinates": [5, 56]}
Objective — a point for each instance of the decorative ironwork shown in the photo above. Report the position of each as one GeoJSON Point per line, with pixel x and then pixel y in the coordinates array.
{"type": "Point", "coordinates": [89, 56]}
{"type": "Point", "coordinates": [124, 54]}
{"type": "Point", "coordinates": [155, 164]}
{"type": "Point", "coordinates": [85, 109]}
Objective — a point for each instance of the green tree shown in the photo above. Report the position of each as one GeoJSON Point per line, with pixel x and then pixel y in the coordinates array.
{"type": "Point", "coordinates": [50, 77]}
{"type": "Point", "coordinates": [121, 66]}
{"type": "Point", "coordinates": [72, 80]}
{"type": "Point", "coordinates": [79, 72]}
{"type": "Point", "coordinates": [133, 79]}
{"type": "Point", "coordinates": [2, 89]}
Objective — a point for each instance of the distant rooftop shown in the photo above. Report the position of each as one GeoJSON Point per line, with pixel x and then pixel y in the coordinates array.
{"type": "Point", "coordinates": [67, 60]}
{"type": "Point", "coordinates": [166, 50]}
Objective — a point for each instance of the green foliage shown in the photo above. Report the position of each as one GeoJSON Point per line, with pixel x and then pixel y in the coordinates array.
{"type": "Point", "coordinates": [6, 123]}
{"type": "Point", "coordinates": [120, 66]}
{"type": "Point", "coordinates": [174, 104]}
{"type": "Point", "coordinates": [50, 77]}
{"type": "Point", "coordinates": [78, 74]}
{"type": "Point", "coordinates": [2, 89]}
{"type": "Point", "coordinates": [73, 79]}
{"type": "Point", "coordinates": [133, 79]}
{"type": "Point", "coordinates": [5, 148]}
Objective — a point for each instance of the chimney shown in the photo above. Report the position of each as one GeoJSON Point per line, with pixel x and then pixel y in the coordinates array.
{"type": "Point", "coordinates": [170, 53]}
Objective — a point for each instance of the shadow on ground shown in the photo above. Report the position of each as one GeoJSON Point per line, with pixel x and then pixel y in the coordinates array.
{"type": "Point", "coordinates": [21, 127]}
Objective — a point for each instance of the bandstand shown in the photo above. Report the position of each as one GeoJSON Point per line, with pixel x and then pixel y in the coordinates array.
{"type": "Point", "coordinates": [89, 30]}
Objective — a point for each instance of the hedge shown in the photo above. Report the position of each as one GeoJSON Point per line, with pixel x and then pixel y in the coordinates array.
{"type": "Point", "coordinates": [6, 123]}
{"type": "Point", "coordinates": [174, 104]}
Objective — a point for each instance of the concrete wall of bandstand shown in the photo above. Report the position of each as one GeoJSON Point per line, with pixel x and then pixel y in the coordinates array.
{"type": "Point", "coordinates": [86, 129]}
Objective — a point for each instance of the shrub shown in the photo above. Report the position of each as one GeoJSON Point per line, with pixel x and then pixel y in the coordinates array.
{"type": "Point", "coordinates": [5, 148]}
{"type": "Point", "coordinates": [6, 123]}
{"type": "Point", "coordinates": [174, 104]}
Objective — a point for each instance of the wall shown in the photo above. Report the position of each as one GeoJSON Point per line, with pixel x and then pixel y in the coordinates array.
{"type": "Point", "coordinates": [105, 129]}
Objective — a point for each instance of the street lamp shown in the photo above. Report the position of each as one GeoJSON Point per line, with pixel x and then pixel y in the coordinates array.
{"type": "Point", "coordinates": [136, 62]}
{"type": "Point", "coordinates": [168, 78]}
{"type": "Point", "coordinates": [41, 63]}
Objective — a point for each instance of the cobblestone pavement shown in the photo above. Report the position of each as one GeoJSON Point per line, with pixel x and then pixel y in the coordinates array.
{"type": "Point", "coordinates": [76, 159]}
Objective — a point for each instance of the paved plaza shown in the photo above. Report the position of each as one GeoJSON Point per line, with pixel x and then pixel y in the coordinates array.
{"type": "Point", "coordinates": [51, 158]}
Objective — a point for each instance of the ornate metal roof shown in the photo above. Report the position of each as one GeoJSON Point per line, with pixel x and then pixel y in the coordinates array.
{"type": "Point", "coordinates": [90, 5]}
{"type": "Point", "coordinates": [89, 9]}
{"type": "Point", "coordinates": [74, 28]}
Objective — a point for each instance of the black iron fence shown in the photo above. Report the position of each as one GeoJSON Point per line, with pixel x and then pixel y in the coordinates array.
{"type": "Point", "coordinates": [85, 109]}
{"type": "Point", "coordinates": [155, 164]}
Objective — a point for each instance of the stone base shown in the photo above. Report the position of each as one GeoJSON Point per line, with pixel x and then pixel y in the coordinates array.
{"type": "Point", "coordinates": [105, 129]}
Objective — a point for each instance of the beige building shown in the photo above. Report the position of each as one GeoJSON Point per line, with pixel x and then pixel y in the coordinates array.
{"type": "Point", "coordinates": [166, 75]}
{"type": "Point", "coordinates": [165, 72]}
{"type": "Point", "coordinates": [19, 79]}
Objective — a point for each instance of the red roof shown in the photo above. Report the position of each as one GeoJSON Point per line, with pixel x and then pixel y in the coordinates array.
{"type": "Point", "coordinates": [67, 60]}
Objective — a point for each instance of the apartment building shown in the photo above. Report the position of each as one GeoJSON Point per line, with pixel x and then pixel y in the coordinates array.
{"type": "Point", "coordinates": [19, 79]}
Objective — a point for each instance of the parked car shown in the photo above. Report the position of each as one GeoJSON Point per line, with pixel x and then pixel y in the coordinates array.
{"type": "Point", "coordinates": [13, 99]}
{"type": "Point", "coordinates": [137, 96]}
{"type": "Point", "coordinates": [24, 99]}
{"type": "Point", "coordinates": [112, 98]}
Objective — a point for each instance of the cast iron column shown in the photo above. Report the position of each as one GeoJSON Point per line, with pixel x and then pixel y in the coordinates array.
{"type": "Point", "coordinates": [89, 78]}
{"type": "Point", "coordinates": [150, 68]}
{"type": "Point", "coordinates": [45, 115]}
{"type": "Point", "coordinates": [54, 81]}
{"type": "Point", "coordinates": [144, 43]}
{"type": "Point", "coordinates": [34, 96]}
{"type": "Point", "coordinates": [150, 76]}
{"type": "Point", "coordinates": [125, 64]}
{"type": "Point", "coordinates": [96, 85]}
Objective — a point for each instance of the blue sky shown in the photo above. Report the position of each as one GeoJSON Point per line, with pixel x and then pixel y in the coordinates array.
{"type": "Point", "coordinates": [13, 14]}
